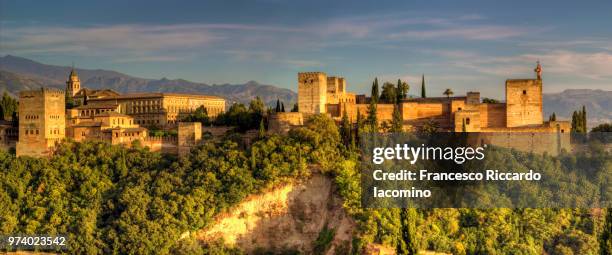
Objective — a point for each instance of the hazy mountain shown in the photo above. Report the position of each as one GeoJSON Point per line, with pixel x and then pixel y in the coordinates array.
{"type": "Point", "coordinates": [598, 104]}
{"type": "Point", "coordinates": [17, 73]}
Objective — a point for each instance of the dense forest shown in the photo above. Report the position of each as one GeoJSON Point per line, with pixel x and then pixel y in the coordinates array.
{"type": "Point", "coordinates": [116, 200]}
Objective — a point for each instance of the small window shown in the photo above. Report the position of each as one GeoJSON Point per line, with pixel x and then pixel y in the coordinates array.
{"type": "Point", "coordinates": [524, 92]}
{"type": "Point", "coordinates": [467, 121]}
{"type": "Point", "coordinates": [459, 109]}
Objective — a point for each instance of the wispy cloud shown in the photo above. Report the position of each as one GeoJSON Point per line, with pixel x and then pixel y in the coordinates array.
{"type": "Point", "coordinates": [481, 32]}
{"type": "Point", "coordinates": [590, 65]}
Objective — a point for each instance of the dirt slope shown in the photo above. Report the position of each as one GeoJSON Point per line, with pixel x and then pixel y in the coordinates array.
{"type": "Point", "coordinates": [289, 217]}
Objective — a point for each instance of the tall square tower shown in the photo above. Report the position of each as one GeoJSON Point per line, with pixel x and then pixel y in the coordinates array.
{"type": "Point", "coordinates": [523, 102]}
{"type": "Point", "coordinates": [42, 121]}
{"type": "Point", "coordinates": [312, 92]}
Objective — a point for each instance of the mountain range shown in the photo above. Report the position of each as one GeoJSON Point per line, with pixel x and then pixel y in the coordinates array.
{"type": "Point", "coordinates": [17, 73]}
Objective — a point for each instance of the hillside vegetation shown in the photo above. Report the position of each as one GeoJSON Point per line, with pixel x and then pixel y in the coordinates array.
{"type": "Point", "coordinates": [113, 200]}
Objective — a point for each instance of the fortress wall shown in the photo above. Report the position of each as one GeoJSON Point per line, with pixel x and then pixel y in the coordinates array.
{"type": "Point", "coordinates": [523, 102]}
{"type": "Point", "coordinates": [216, 131]}
{"type": "Point", "coordinates": [384, 112]}
{"type": "Point", "coordinates": [282, 122]}
{"type": "Point", "coordinates": [416, 114]}
{"type": "Point", "coordinates": [162, 144]}
{"type": "Point", "coordinates": [333, 109]}
{"type": "Point", "coordinates": [492, 115]}
{"type": "Point", "coordinates": [471, 120]}
{"type": "Point", "coordinates": [536, 142]}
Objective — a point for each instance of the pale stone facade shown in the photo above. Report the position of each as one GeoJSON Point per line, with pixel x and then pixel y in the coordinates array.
{"type": "Point", "coordinates": [106, 115]}
{"type": "Point", "coordinates": [189, 135]}
{"type": "Point", "coordinates": [42, 121]}
{"type": "Point", "coordinates": [160, 110]}
{"type": "Point", "coordinates": [522, 109]}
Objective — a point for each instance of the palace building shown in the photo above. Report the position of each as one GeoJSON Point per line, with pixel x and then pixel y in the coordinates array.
{"type": "Point", "coordinates": [153, 110]}
{"type": "Point", "coordinates": [105, 115]}
{"type": "Point", "coordinates": [521, 111]}
{"type": "Point", "coordinates": [521, 114]}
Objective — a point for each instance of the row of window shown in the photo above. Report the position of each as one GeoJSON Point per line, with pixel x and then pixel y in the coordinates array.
{"type": "Point", "coordinates": [147, 121]}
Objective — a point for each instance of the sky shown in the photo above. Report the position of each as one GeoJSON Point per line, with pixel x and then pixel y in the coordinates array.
{"type": "Point", "coordinates": [462, 45]}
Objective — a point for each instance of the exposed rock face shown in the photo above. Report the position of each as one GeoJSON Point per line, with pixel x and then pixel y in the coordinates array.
{"type": "Point", "coordinates": [286, 218]}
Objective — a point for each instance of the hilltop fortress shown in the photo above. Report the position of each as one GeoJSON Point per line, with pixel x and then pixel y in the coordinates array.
{"type": "Point", "coordinates": [45, 119]}
{"type": "Point", "coordinates": [105, 115]}
{"type": "Point", "coordinates": [520, 113]}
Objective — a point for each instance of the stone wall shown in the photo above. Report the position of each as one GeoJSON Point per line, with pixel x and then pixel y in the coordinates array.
{"type": "Point", "coordinates": [536, 142]}
{"type": "Point", "coordinates": [189, 135]}
{"type": "Point", "coordinates": [282, 122]}
{"type": "Point", "coordinates": [160, 144]}
{"type": "Point", "coordinates": [416, 114]}
{"type": "Point", "coordinates": [492, 115]}
{"type": "Point", "coordinates": [471, 120]}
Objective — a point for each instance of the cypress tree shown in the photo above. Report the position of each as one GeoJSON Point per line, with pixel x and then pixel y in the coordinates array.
{"type": "Point", "coordinates": [295, 108]}
{"type": "Point", "coordinates": [605, 242]}
{"type": "Point", "coordinates": [359, 125]}
{"type": "Point", "coordinates": [399, 91]}
{"type": "Point", "coordinates": [574, 119]}
{"type": "Point", "coordinates": [278, 108]}
{"type": "Point", "coordinates": [282, 107]}
{"type": "Point", "coordinates": [262, 129]}
{"type": "Point", "coordinates": [345, 128]}
{"type": "Point", "coordinates": [423, 94]}
{"type": "Point", "coordinates": [372, 119]}
{"type": "Point", "coordinates": [407, 244]}
{"type": "Point", "coordinates": [375, 94]}
{"type": "Point", "coordinates": [397, 122]}
{"type": "Point", "coordinates": [584, 119]}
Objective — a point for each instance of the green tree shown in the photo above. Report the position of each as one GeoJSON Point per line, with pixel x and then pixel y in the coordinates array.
{"type": "Point", "coordinates": [282, 107]}
{"type": "Point", "coordinates": [408, 242]}
{"type": "Point", "coordinates": [448, 93]}
{"type": "Point", "coordinates": [372, 118]}
{"type": "Point", "coordinates": [278, 107]}
{"type": "Point", "coordinates": [606, 127]}
{"type": "Point", "coordinates": [605, 242]}
{"type": "Point", "coordinates": [575, 122]}
{"type": "Point", "coordinates": [402, 90]}
{"type": "Point", "coordinates": [295, 108]}
{"type": "Point", "coordinates": [553, 117]}
{"type": "Point", "coordinates": [257, 106]}
{"type": "Point", "coordinates": [584, 119]}
{"type": "Point", "coordinates": [397, 121]}
{"type": "Point", "coordinates": [389, 93]}
{"type": "Point", "coordinates": [375, 94]}
{"type": "Point", "coordinates": [262, 129]}
{"type": "Point", "coordinates": [199, 115]}
{"type": "Point", "coordinates": [423, 94]}
{"type": "Point", "coordinates": [8, 107]}
{"type": "Point", "coordinates": [487, 100]}
{"type": "Point", "coordinates": [345, 128]}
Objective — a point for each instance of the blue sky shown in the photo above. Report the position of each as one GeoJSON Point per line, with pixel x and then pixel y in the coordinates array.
{"type": "Point", "coordinates": [463, 45]}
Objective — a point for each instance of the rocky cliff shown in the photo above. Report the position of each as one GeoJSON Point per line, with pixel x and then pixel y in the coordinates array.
{"type": "Point", "coordinates": [287, 218]}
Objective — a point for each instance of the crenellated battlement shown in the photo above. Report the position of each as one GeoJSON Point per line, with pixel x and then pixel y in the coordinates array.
{"type": "Point", "coordinates": [41, 92]}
